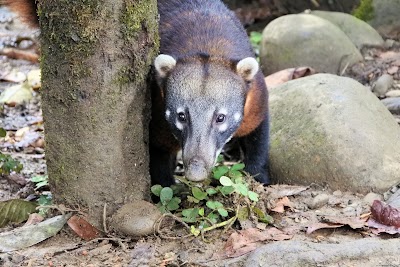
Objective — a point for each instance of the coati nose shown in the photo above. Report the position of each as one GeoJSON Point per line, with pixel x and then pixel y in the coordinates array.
{"type": "Point", "coordinates": [196, 170]}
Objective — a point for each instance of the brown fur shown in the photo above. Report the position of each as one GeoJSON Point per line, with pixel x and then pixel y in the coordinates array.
{"type": "Point", "coordinates": [26, 9]}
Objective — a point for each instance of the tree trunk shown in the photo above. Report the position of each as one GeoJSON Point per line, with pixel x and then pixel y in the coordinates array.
{"type": "Point", "coordinates": [96, 55]}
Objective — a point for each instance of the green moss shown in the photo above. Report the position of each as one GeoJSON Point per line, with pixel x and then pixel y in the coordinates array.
{"type": "Point", "coordinates": [73, 38]}
{"type": "Point", "coordinates": [137, 17]}
{"type": "Point", "coordinates": [365, 11]}
{"type": "Point", "coordinates": [134, 17]}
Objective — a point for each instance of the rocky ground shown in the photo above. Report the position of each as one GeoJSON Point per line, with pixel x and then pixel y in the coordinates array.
{"type": "Point", "coordinates": [320, 226]}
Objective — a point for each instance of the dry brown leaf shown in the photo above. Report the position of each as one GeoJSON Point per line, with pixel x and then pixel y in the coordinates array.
{"type": "Point", "coordinates": [281, 204]}
{"type": "Point", "coordinates": [353, 222]}
{"type": "Point", "coordinates": [245, 241]}
{"type": "Point", "coordinates": [378, 228]}
{"type": "Point", "coordinates": [390, 55]}
{"type": "Point", "coordinates": [82, 228]}
{"type": "Point", "coordinates": [317, 226]}
{"type": "Point", "coordinates": [392, 70]}
{"type": "Point", "coordinates": [286, 75]}
{"type": "Point", "coordinates": [19, 54]}
{"type": "Point", "coordinates": [385, 214]}
{"type": "Point", "coordinates": [33, 219]}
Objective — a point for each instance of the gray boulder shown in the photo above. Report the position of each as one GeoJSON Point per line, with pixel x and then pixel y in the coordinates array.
{"type": "Point", "coordinates": [306, 40]}
{"type": "Point", "coordinates": [327, 129]}
{"type": "Point", "coordinates": [359, 32]}
{"type": "Point", "coordinates": [386, 17]}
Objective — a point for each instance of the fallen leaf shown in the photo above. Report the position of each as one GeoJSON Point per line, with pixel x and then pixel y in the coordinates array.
{"type": "Point", "coordinates": [34, 218]}
{"type": "Point", "coordinates": [280, 191]}
{"type": "Point", "coordinates": [16, 94]}
{"type": "Point", "coordinates": [381, 228]}
{"type": "Point", "coordinates": [281, 204]}
{"type": "Point", "coordinates": [13, 76]}
{"type": "Point", "coordinates": [83, 228]}
{"type": "Point", "coordinates": [319, 225]}
{"type": "Point", "coordinates": [392, 70]}
{"type": "Point", "coordinates": [30, 235]}
{"type": "Point", "coordinates": [28, 139]}
{"type": "Point", "coordinates": [15, 211]}
{"type": "Point", "coordinates": [245, 241]}
{"type": "Point", "coordinates": [17, 178]}
{"type": "Point", "coordinates": [34, 79]}
{"type": "Point", "coordinates": [353, 222]}
{"type": "Point", "coordinates": [385, 214]}
{"type": "Point", "coordinates": [19, 54]}
{"type": "Point", "coordinates": [286, 75]}
{"type": "Point", "coordinates": [390, 55]}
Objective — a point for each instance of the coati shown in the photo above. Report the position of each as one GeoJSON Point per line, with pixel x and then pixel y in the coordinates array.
{"type": "Point", "coordinates": [207, 89]}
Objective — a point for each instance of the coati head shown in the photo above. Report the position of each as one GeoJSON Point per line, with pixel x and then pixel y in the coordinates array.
{"type": "Point", "coordinates": [204, 105]}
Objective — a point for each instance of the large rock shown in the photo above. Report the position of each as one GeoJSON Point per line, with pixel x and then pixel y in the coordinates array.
{"type": "Point", "coordinates": [362, 252]}
{"type": "Point", "coordinates": [359, 32]}
{"type": "Point", "coordinates": [386, 17]}
{"type": "Point", "coordinates": [331, 129]}
{"type": "Point", "coordinates": [306, 40]}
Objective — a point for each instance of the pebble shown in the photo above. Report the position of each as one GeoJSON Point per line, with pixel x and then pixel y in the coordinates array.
{"type": "Point", "coordinates": [318, 201]}
{"type": "Point", "coordinates": [337, 193]}
{"type": "Point", "coordinates": [393, 93]}
{"type": "Point", "coordinates": [370, 197]}
{"type": "Point", "coordinates": [392, 104]}
{"type": "Point", "coordinates": [136, 218]}
{"type": "Point", "coordinates": [382, 85]}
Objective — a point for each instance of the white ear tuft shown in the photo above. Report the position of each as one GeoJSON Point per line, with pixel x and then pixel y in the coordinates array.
{"type": "Point", "coordinates": [164, 64]}
{"type": "Point", "coordinates": [247, 68]}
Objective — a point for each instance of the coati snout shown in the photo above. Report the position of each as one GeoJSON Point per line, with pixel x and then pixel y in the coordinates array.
{"type": "Point", "coordinates": [204, 105]}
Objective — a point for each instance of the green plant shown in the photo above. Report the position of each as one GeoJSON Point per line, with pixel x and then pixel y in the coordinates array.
{"type": "Point", "coordinates": [40, 181]}
{"type": "Point", "coordinates": [43, 201]}
{"type": "Point", "coordinates": [8, 164]}
{"type": "Point", "coordinates": [217, 202]}
{"type": "Point", "coordinates": [365, 11]}
{"type": "Point", "coordinates": [255, 40]}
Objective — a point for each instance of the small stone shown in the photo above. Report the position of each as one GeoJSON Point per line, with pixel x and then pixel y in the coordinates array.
{"type": "Point", "coordinates": [392, 104]}
{"type": "Point", "coordinates": [370, 197]}
{"type": "Point", "coordinates": [393, 93]}
{"type": "Point", "coordinates": [349, 211]}
{"type": "Point", "coordinates": [319, 201]}
{"type": "Point", "coordinates": [136, 218]}
{"type": "Point", "coordinates": [382, 85]}
{"type": "Point", "coordinates": [337, 193]}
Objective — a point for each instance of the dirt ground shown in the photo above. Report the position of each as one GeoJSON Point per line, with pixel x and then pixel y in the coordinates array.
{"type": "Point", "coordinates": [313, 212]}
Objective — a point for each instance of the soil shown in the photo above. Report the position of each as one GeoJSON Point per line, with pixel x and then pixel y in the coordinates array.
{"type": "Point", "coordinates": [295, 209]}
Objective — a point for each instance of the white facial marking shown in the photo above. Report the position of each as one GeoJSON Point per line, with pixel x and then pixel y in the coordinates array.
{"type": "Point", "coordinates": [167, 113]}
{"type": "Point", "coordinates": [237, 116]}
{"type": "Point", "coordinates": [223, 127]}
{"type": "Point", "coordinates": [223, 111]}
{"type": "Point", "coordinates": [179, 125]}
{"type": "Point", "coordinates": [180, 109]}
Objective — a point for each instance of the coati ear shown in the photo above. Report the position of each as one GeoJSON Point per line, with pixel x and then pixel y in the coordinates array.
{"type": "Point", "coordinates": [164, 64]}
{"type": "Point", "coordinates": [247, 68]}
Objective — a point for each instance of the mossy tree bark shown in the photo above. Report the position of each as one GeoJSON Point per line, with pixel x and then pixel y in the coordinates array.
{"type": "Point", "coordinates": [96, 55]}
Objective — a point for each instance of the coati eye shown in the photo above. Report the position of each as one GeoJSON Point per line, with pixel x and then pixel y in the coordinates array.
{"type": "Point", "coordinates": [220, 118]}
{"type": "Point", "coordinates": [181, 117]}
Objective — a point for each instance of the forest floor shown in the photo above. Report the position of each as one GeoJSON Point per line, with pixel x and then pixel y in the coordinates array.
{"type": "Point", "coordinates": [310, 213]}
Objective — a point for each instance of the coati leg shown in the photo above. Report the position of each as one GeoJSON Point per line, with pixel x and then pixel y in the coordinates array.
{"type": "Point", "coordinates": [162, 166]}
{"type": "Point", "coordinates": [255, 149]}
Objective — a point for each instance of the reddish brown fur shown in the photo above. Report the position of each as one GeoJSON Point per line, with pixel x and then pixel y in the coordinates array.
{"type": "Point", "coordinates": [26, 9]}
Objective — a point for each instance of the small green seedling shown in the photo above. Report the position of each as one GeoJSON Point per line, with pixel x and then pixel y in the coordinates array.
{"type": "Point", "coordinates": [8, 164]}
{"type": "Point", "coordinates": [205, 206]}
{"type": "Point", "coordinates": [40, 181]}
{"type": "Point", "coordinates": [167, 200]}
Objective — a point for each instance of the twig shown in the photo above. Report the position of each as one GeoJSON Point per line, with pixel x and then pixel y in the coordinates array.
{"type": "Point", "coordinates": [158, 223]}
{"type": "Point", "coordinates": [105, 218]}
